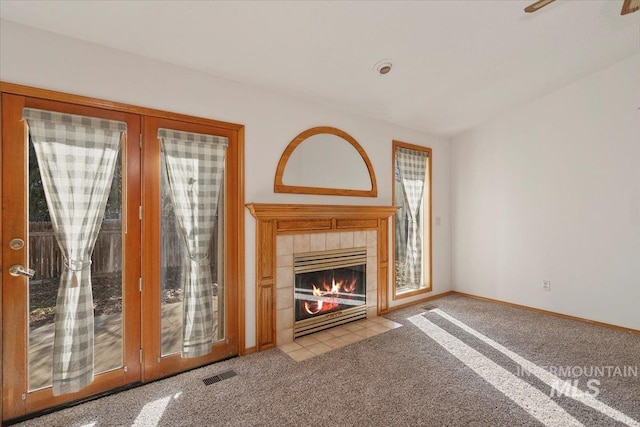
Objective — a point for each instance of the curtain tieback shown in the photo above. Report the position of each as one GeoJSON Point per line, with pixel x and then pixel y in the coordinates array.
{"type": "Point", "coordinates": [200, 261]}
{"type": "Point", "coordinates": [76, 264]}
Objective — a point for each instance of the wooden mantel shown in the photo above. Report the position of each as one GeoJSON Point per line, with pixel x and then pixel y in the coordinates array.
{"type": "Point", "coordinates": [274, 219]}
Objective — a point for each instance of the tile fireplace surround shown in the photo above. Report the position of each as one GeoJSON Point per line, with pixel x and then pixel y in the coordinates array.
{"type": "Point", "coordinates": [285, 229]}
{"type": "Point", "coordinates": [288, 245]}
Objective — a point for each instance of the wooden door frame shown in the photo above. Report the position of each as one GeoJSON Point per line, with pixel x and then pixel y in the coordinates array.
{"type": "Point", "coordinates": [235, 249]}
{"type": "Point", "coordinates": [1, 270]}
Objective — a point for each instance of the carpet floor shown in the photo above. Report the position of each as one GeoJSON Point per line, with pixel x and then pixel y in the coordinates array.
{"type": "Point", "coordinates": [456, 361]}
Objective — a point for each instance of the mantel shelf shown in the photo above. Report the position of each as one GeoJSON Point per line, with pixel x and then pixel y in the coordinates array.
{"type": "Point", "coordinates": [268, 211]}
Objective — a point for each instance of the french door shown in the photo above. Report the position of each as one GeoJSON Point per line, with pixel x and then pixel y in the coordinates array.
{"type": "Point", "coordinates": [166, 302]}
{"type": "Point", "coordinates": [139, 264]}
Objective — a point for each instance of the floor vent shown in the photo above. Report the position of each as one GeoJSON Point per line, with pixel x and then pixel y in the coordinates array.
{"type": "Point", "coordinates": [219, 377]}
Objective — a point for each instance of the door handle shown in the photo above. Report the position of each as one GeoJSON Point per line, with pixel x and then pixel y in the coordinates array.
{"type": "Point", "coordinates": [17, 270]}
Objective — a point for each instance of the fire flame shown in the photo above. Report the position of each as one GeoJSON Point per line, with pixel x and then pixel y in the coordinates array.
{"type": "Point", "coordinates": [334, 288]}
{"type": "Point", "coordinates": [329, 292]}
{"type": "Point", "coordinates": [314, 307]}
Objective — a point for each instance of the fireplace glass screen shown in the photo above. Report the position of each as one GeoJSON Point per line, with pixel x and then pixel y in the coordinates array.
{"type": "Point", "coordinates": [329, 284]}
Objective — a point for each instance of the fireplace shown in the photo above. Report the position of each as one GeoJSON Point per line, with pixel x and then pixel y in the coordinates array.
{"type": "Point", "coordinates": [329, 289]}
{"type": "Point", "coordinates": [283, 230]}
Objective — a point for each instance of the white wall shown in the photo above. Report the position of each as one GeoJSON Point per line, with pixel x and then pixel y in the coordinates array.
{"type": "Point", "coordinates": [552, 191]}
{"type": "Point", "coordinates": [32, 57]}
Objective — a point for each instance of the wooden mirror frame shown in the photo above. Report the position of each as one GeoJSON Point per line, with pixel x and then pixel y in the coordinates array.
{"type": "Point", "coordinates": [280, 187]}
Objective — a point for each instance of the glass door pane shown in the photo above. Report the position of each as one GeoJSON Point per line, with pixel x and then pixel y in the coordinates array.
{"type": "Point", "coordinates": [173, 269]}
{"type": "Point", "coordinates": [172, 256]}
{"type": "Point", "coordinates": [106, 281]}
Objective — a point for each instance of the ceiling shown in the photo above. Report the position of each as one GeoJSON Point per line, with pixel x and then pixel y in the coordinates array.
{"type": "Point", "coordinates": [456, 64]}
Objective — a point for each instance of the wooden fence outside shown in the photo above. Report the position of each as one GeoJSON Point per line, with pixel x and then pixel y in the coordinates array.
{"type": "Point", "coordinates": [46, 258]}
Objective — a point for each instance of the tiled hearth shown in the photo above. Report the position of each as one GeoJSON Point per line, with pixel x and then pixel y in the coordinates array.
{"type": "Point", "coordinates": [289, 245]}
{"type": "Point", "coordinates": [340, 336]}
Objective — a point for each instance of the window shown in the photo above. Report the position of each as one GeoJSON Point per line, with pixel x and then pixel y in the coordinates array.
{"type": "Point", "coordinates": [412, 221]}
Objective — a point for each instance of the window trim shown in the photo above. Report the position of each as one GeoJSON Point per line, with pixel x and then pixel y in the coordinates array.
{"type": "Point", "coordinates": [427, 246]}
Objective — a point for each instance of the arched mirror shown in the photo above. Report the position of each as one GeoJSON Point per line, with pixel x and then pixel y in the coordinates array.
{"type": "Point", "coordinates": [325, 160]}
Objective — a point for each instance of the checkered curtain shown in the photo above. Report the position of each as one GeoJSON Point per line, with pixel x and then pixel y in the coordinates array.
{"type": "Point", "coordinates": [400, 217]}
{"type": "Point", "coordinates": [412, 165]}
{"type": "Point", "coordinates": [195, 168]}
{"type": "Point", "coordinates": [77, 157]}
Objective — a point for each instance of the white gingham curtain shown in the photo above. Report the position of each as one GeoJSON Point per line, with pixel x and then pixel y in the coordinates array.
{"type": "Point", "coordinates": [412, 165]}
{"type": "Point", "coordinates": [77, 157]}
{"type": "Point", "coordinates": [195, 168]}
{"type": "Point", "coordinates": [401, 217]}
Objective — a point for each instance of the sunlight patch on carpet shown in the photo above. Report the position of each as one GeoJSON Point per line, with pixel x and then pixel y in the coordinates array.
{"type": "Point", "coordinates": [152, 412]}
{"type": "Point", "coordinates": [529, 398]}
{"type": "Point", "coordinates": [544, 375]}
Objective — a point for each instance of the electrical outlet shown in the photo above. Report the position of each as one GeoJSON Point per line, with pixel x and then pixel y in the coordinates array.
{"type": "Point", "coordinates": [546, 285]}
